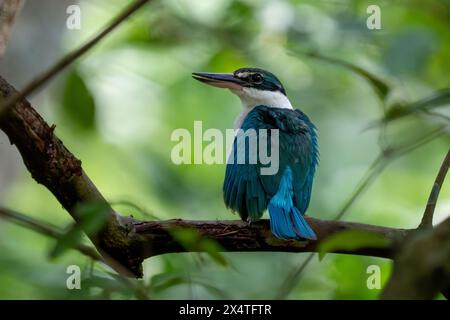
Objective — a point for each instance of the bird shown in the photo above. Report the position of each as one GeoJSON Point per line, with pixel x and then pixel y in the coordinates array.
{"type": "Point", "coordinates": [285, 194]}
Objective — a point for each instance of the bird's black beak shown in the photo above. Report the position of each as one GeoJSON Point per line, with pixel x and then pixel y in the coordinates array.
{"type": "Point", "coordinates": [221, 80]}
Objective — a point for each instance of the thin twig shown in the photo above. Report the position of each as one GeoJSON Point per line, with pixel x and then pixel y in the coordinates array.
{"type": "Point", "coordinates": [71, 57]}
{"type": "Point", "coordinates": [427, 219]}
{"type": "Point", "coordinates": [45, 229]}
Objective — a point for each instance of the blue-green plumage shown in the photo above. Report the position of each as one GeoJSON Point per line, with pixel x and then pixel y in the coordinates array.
{"type": "Point", "coordinates": [287, 192]}
{"type": "Point", "coordinates": [249, 193]}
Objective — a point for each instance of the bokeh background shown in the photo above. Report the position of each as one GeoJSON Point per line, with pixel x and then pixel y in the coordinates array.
{"type": "Point", "coordinates": [116, 107]}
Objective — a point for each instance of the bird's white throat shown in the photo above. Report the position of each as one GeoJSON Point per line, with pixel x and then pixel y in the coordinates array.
{"type": "Point", "coordinates": [251, 98]}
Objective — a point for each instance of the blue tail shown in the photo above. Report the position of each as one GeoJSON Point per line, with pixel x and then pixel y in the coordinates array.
{"type": "Point", "coordinates": [286, 221]}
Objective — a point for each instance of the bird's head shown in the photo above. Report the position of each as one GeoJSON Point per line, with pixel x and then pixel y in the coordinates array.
{"type": "Point", "coordinates": [252, 85]}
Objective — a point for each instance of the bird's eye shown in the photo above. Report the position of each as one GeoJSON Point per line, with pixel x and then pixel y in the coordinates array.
{"type": "Point", "coordinates": [256, 78]}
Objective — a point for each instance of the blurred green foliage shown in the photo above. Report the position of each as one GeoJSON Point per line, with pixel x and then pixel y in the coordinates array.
{"type": "Point", "coordinates": [77, 103]}
{"type": "Point", "coordinates": [92, 216]}
{"type": "Point", "coordinates": [117, 107]}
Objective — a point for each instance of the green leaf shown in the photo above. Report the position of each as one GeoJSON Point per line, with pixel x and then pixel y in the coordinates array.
{"type": "Point", "coordinates": [352, 240]}
{"type": "Point", "coordinates": [78, 104]}
{"type": "Point", "coordinates": [163, 281]}
{"type": "Point", "coordinates": [193, 241]}
{"type": "Point", "coordinates": [92, 217]}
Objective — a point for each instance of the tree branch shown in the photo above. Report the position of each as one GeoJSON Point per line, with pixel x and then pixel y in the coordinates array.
{"type": "Point", "coordinates": [240, 236]}
{"type": "Point", "coordinates": [45, 229]}
{"type": "Point", "coordinates": [427, 220]}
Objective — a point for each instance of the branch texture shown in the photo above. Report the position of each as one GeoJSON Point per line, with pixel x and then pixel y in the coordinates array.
{"type": "Point", "coordinates": [241, 236]}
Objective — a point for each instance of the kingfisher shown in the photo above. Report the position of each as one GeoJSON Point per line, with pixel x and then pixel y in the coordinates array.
{"type": "Point", "coordinates": [286, 193]}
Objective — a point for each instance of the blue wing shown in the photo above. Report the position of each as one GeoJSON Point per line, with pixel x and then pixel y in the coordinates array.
{"type": "Point", "coordinates": [245, 189]}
